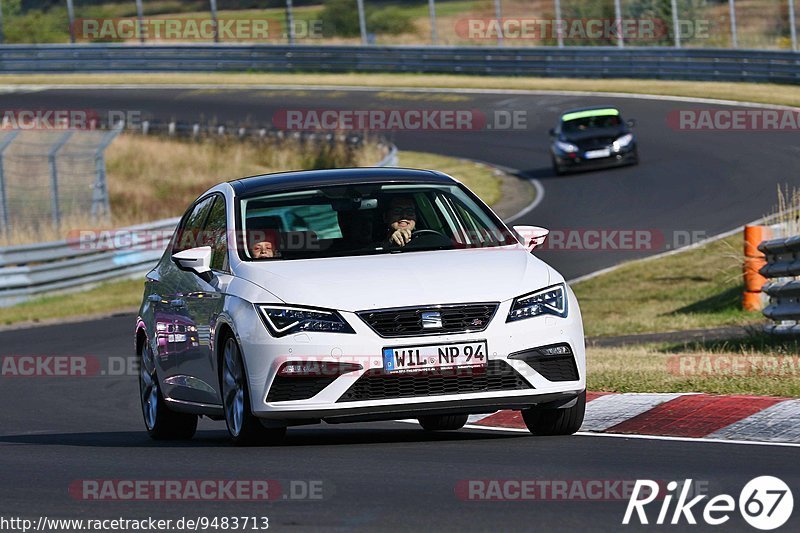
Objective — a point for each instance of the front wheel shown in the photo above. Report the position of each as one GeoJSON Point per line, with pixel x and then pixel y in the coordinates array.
{"type": "Point", "coordinates": [442, 422]}
{"type": "Point", "coordinates": [550, 421]}
{"type": "Point", "coordinates": [160, 421]}
{"type": "Point", "coordinates": [243, 428]}
{"type": "Point", "coordinates": [558, 170]}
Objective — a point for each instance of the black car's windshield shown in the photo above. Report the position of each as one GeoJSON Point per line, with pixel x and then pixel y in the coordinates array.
{"type": "Point", "coordinates": [585, 123]}
{"type": "Point", "coordinates": [364, 220]}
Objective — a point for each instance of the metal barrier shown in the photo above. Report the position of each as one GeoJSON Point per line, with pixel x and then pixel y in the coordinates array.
{"type": "Point", "coordinates": [783, 265]}
{"type": "Point", "coordinates": [587, 62]}
{"type": "Point", "coordinates": [30, 270]}
{"type": "Point", "coordinates": [36, 269]}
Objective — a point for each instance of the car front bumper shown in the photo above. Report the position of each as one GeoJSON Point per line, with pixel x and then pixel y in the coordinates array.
{"type": "Point", "coordinates": [621, 158]}
{"type": "Point", "coordinates": [334, 402]}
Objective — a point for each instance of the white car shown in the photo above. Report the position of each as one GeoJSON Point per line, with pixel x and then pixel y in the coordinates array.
{"type": "Point", "coordinates": [400, 295]}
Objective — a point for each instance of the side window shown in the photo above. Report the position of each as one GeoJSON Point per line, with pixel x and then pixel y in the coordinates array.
{"type": "Point", "coordinates": [216, 235]}
{"type": "Point", "coordinates": [188, 234]}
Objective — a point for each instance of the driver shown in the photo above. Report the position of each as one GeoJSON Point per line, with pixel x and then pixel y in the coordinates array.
{"type": "Point", "coordinates": [401, 216]}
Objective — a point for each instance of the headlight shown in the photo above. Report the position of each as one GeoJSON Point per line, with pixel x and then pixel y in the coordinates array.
{"type": "Point", "coordinates": [549, 301]}
{"type": "Point", "coordinates": [566, 147]}
{"type": "Point", "coordinates": [284, 320]}
{"type": "Point", "coordinates": [623, 142]}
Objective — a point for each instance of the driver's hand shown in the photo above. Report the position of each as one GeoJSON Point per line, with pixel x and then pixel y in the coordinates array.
{"type": "Point", "coordinates": [401, 237]}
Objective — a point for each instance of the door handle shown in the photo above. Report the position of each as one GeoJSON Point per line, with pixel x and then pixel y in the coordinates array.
{"type": "Point", "coordinates": [154, 298]}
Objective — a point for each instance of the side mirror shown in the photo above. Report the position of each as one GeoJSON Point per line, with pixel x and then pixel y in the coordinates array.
{"type": "Point", "coordinates": [196, 260]}
{"type": "Point", "coordinates": [533, 236]}
{"type": "Point", "coordinates": [552, 132]}
{"type": "Point", "coordinates": [631, 123]}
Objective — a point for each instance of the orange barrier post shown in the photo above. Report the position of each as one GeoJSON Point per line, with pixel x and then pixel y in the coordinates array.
{"type": "Point", "coordinates": [753, 261]}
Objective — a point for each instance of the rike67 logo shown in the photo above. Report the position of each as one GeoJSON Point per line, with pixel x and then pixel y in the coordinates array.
{"type": "Point", "coordinates": [765, 503]}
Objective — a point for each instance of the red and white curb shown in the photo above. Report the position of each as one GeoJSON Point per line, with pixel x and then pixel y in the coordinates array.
{"type": "Point", "coordinates": [680, 415]}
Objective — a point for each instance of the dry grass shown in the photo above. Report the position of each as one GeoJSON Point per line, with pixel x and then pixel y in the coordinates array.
{"type": "Point", "coordinates": [787, 214]}
{"type": "Point", "coordinates": [743, 92]}
{"type": "Point", "coordinates": [695, 289]}
{"type": "Point", "coordinates": [480, 178]}
{"type": "Point", "coordinates": [151, 178]}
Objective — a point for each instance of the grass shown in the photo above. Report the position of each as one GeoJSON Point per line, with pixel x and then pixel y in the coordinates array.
{"type": "Point", "coordinates": [107, 298]}
{"type": "Point", "coordinates": [700, 288]}
{"type": "Point", "coordinates": [480, 178]}
{"type": "Point", "coordinates": [649, 369]}
{"type": "Point", "coordinates": [742, 92]}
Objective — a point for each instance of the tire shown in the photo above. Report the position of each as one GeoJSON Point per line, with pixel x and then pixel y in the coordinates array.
{"type": "Point", "coordinates": [244, 429]}
{"type": "Point", "coordinates": [557, 170]}
{"type": "Point", "coordinates": [161, 422]}
{"type": "Point", "coordinates": [549, 421]}
{"type": "Point", "coordinates": [442, 422]}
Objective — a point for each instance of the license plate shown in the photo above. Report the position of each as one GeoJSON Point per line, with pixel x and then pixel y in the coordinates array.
{"type": "Point", "coordinates": [432, 356]}
{"type": "Point", "coordinates": [596, 154]}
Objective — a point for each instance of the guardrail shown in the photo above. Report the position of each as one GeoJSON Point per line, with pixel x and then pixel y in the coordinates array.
{"type": "Point", "coordinates": [30, 270]}
{"type": "Point", "coordinates": [587, 62]}
{"type": "Point", "coordinates": [783, 265]}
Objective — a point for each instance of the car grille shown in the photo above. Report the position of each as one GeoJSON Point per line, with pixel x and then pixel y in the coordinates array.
{"type": "Point", "coordinates": [556, 368]}
{"type": "Point", "coordinates": [284, 388]}
{"type": "Point", "coordinates": [551, 367]}
{"type": "Point", "coordinates": [377, 385]}
{"type": "Point", "coordinates": [407, 322]}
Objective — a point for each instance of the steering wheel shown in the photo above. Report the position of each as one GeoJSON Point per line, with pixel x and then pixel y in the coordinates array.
{"type": "Point", "coordinates": [428, 231]}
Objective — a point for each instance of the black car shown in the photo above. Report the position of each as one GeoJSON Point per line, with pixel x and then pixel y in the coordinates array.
{"type": "Point", "coordinates": [592, 137]}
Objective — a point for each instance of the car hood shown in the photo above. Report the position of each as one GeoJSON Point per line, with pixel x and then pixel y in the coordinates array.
{"type": "Point", "coordinates": [403, 279]}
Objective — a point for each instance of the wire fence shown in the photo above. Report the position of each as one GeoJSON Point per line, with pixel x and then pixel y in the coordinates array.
{"type": "Point", "coordinates": [47, 177]}
{"type": "Point", "coordinates": [747, 24]}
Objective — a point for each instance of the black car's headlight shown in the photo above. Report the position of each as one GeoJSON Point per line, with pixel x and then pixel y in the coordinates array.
{"type": "Point", "coordinates": [283, 320]}
{"type": "Point", "coordinates": [623, 142]}
{"type": "Point", "coordinates": [549, 301]}
{"type": "Point", "coordinates": [566, 147]}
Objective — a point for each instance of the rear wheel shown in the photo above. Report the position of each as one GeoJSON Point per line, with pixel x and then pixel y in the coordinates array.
{"type": "Point", "coordinates": [160, 421]}
{"type": "Point", "coordinates": [243, 428]}
{"type": "Point", "coordinates": [442, 422]}
{"type": "Point", "coordinates": [550, 421]}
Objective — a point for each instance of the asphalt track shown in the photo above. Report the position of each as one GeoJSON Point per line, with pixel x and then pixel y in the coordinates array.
{"type": "Point", "coordinates": [393, 476]}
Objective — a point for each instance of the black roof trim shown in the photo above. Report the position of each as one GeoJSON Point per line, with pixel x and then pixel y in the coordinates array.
{"type": "Point", "coordinates": [301, 179]}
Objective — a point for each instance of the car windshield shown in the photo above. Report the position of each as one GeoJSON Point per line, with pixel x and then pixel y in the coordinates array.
{"type": "Point", "coordinates": [365, 219]}
{"type": "Point", "coordinates": [591, 122]}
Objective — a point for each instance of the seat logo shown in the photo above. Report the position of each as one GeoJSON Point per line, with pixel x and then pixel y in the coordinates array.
{"type": "Point", "coordinates": [431, 320]}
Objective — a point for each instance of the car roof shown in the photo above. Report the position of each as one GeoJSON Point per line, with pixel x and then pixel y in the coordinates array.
{"type": "Point", "coordinates": [581, 110]}
{"type": "Point", "coordinates": [301, 179]}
